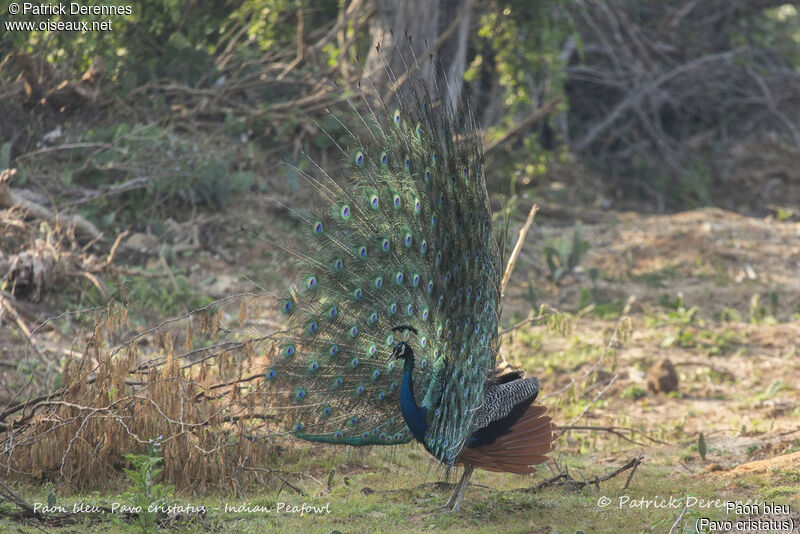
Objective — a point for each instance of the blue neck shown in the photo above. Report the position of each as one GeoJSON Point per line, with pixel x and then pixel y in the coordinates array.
{"type": "Point", "coordinates": [413, 414]}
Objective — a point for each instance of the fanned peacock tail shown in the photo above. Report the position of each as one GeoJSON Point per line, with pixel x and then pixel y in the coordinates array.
{"type": "Point", "coordinates": [401, 238]}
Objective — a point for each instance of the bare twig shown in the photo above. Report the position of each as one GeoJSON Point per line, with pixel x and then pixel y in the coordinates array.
{"type": "Point", "coordinates": [512, 260]}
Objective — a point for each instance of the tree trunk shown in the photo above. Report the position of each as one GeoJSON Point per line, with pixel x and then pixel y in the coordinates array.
{"type": "Point", "coordinates": [406, 30]}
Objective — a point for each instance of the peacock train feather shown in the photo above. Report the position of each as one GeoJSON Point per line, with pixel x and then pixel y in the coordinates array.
{"type": "Point", "coordinates": [401, 243]}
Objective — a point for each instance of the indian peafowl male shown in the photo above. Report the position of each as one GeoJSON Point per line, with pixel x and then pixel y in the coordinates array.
{"type": "Point", "coordinates": [402, 244]}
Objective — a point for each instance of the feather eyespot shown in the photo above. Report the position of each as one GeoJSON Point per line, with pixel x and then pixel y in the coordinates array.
{"type": "Point", "coordinates": [338, 381]}
{"type": "Point", "coordinates": [326, 411]}
{"type": "Point", "coordinates": [398, 277]}
{"type": "Point", "coordinates": [396, 117]}
{"type": "Point", "coordinates": [409, 239]}
{"type": "Point", "coordinates": [354, 363]}
{"type": "Point", "coordinates": [382, 396]}
{"type": "Point", "coordinates": [318, 228]}
{"type": "Point", "coordinates": [389, 340]}
{"type": "Point", "coordinates": [359, 391]}
{"type": "Point", "coordinates": [357, 293]}
{"type": "Point", "coordinates": [423, 341]}
{"type": "Point", "coordinates": [287, 307]}
{"type": "Point", "coordinates": [423, 364]}
{"type": "Point", "coordinates": [385, 245]}
{"type": "Point", "coordinates": [313, 366]}
{"type": "Point", "coordinates": [376, 374]}
{"type": "Point", "coordinates": [300, 394]}
{"type": "Point", "coordinates": [384, 159]}
{"type": "Point", "coordinates": [338, 264]}
{"type": "Point", "coordinates": [345, 212]}
{"type": "Point", "coordinates": [410, 310]}
{"type": "Point", "coordinates": [333, 350]}
{"type": "Point", "coordinates": [425, 314]}
{"type": "Point", "coordinates": [391, 365]}
{"type": "Point", "coordinates": [288, 351]}
{"type": "Point", "coordinates": [354, 331]}
{"type": "Point", "coordinates": [374, 201]}
{"type": "Point", "coordinates": [407, 163]}
{"type": "Point", "coordinates": [393, 308]}
{"type": "Point", "coordinates": [417, 206]}
{"type": "Point", "coordinates": [372, 349]}
{"type": "Point", "coordinates": [359, 158]}
{"type": "Point", "coordinates": [433, 220]}
{"type": "Point", "coordinates": [418, 130]}
{"type": "Point", "coordinates": [396, 201]}
{"type": "Point", "coordinates": [415, 280]}
{"type": "Point", "coordinates": [338, 434]}
{"type": "Point", "coordinates": [311, 282]}
{"type": "Point", "coordinates": [427, 176]}
{"type": "Point", "coordinates": [430, 287]}
{"type": "Point", "coordinates": [271, 374]}
{"type": "Point", "coordinates": [361, 252]}
{"type": "Point", "coordinates": [423, 247]}
{"type": "Point", "coordinates": [333, 312]}
{"type": "Point", "coordinates": [299, 427]}
{"type": "Point", "coordinates": [438, 258]}
{"type": "Point", "coordinates": [378, 282]}
{"type": "Point", "coordinates": [373, 317]}
{"type": "Point", "coordinates": [434, 158]}
{"type": "Point", "coordinates": [312, 327]}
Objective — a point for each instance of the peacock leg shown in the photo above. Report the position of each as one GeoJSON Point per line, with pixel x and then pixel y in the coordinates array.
{"type": "Point", "coordinates": [454, 502]}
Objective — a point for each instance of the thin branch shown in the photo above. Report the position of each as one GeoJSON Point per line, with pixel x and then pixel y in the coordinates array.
{"type": "Point", "coordinates": [512, 260]}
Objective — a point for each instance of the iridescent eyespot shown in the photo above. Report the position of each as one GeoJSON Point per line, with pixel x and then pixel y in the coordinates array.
{"type": "Point", "coordinates": [338, 264]}
{"type": "Point", "coordinates": [373, 317]}
{"type": "Point", "coordinates": [354, 419]}
{"type": "Point", "coordinates": [354, 363]}
{"type": "Point", "coordinates": [425, 313]}
{"type": "Point", "coordinates": [326, 411]}
{"type": "Point", "coordinates": [362, 252]}
{"type": "Point", "coordinates": [374, 201]}
{"type": "Point", "coordinates": [384, 159]}
{"type": "Point", "coordinates": [376, 374]}
{"type": "Point", "coordinates": [423, 247]}
{"type": "Point", "coordinates": [430, 287]}
{"type": "Point", "coordinates": [378, 282]}
{"type": "Point", "coordinates": [311, 282]}
{"type": "Point", "coordinates": [299, 394]}
{"type": "Point", "coordinates": [415, 280]}
{"type": "Point", "coordinates": [271, 374]}
{"type": "Point", "coordinates": [423, 341]}
{"type": "Point", "coordinates": [434, 157]}
{"type": "Point", "coordinates": [396, 117]}
{"type": "Point", "coordinates": [287, 307]}
{"type": "Point", "coordinates": [418, 130]}
{"type": "Point", "coordinates": [317, 227]}
{"type": "Point", "coordinates": [438, 258]}
{"type": "Point", "coordinates": [372, 349]}
{"type": "Point", "coordinates": [313, 366]}
{"type": "Point", "coordinates": [427, 176]}
{"type": "Point", "coordinates": [398, 277]}
{"type": "Point", "coordinates": [312, 327]}
{"type": "Point", "coordinates": [396, 201]}
{"type": "Point", "coordinates": [393, 308]}
{"type": "Point", "coordinates": [424, 364]}
{"type": "Point", "coordinates": [389, 340]}
{"type": "Point", "coordinates": [359, 158]}
{"type": "Point", "coordinates": [407, 163]}
{"type": "Point", "coordinates": [298, 427]}
{"type": "Point", "coordinates": [353, 331]}
{"type": "Point", "coordinates": [359, 391]}
{"type": "Point", "coordinates": [433, 220]}
{"type": "Point", "coordinates": [333, 312]}
{"type": "Point", "coordinates": [288, 351]}
{"type": "Point", "coordinates": [338, 381]}
{"type": "Point", "coordinates": [345, 212]}
{"type": "Point", "coordinates": [338, 434]}
{"type": "Point", "coordinates": [417, 206]}
{"type": "Point", "coordinates": [410, 309]}
{"type": "Point", "coordinates": [385, 245]}
{"type": "Point", "coordinates": [391, 365]}
{"type": "Point", "coordinates": [333, 350]}
{"type": "Point", "coordinates": [382, 396]}
{"type": "Point", "coordinates": [409, 239]}
{"type": "Point", "coordinates": [357, 293]}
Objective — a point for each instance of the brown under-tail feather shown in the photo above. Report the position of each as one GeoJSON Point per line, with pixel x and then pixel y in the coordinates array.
{"type": "Point", "coordinates": [530, 439]}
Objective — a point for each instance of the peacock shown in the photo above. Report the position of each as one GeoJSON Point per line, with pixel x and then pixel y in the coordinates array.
{"type": "Point", "coordinates": [391, 330]}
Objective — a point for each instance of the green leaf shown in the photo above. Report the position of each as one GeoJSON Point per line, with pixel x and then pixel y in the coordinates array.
{"type": "Point", "coordinates": [701, 446]}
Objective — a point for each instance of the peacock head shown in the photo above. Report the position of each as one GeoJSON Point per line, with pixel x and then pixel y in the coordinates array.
{"type": "Point", "coordinates": [403, 350]}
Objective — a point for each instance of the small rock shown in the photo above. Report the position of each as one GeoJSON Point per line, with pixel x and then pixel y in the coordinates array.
{"type": "Point", "coordinates": [662, 378]}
